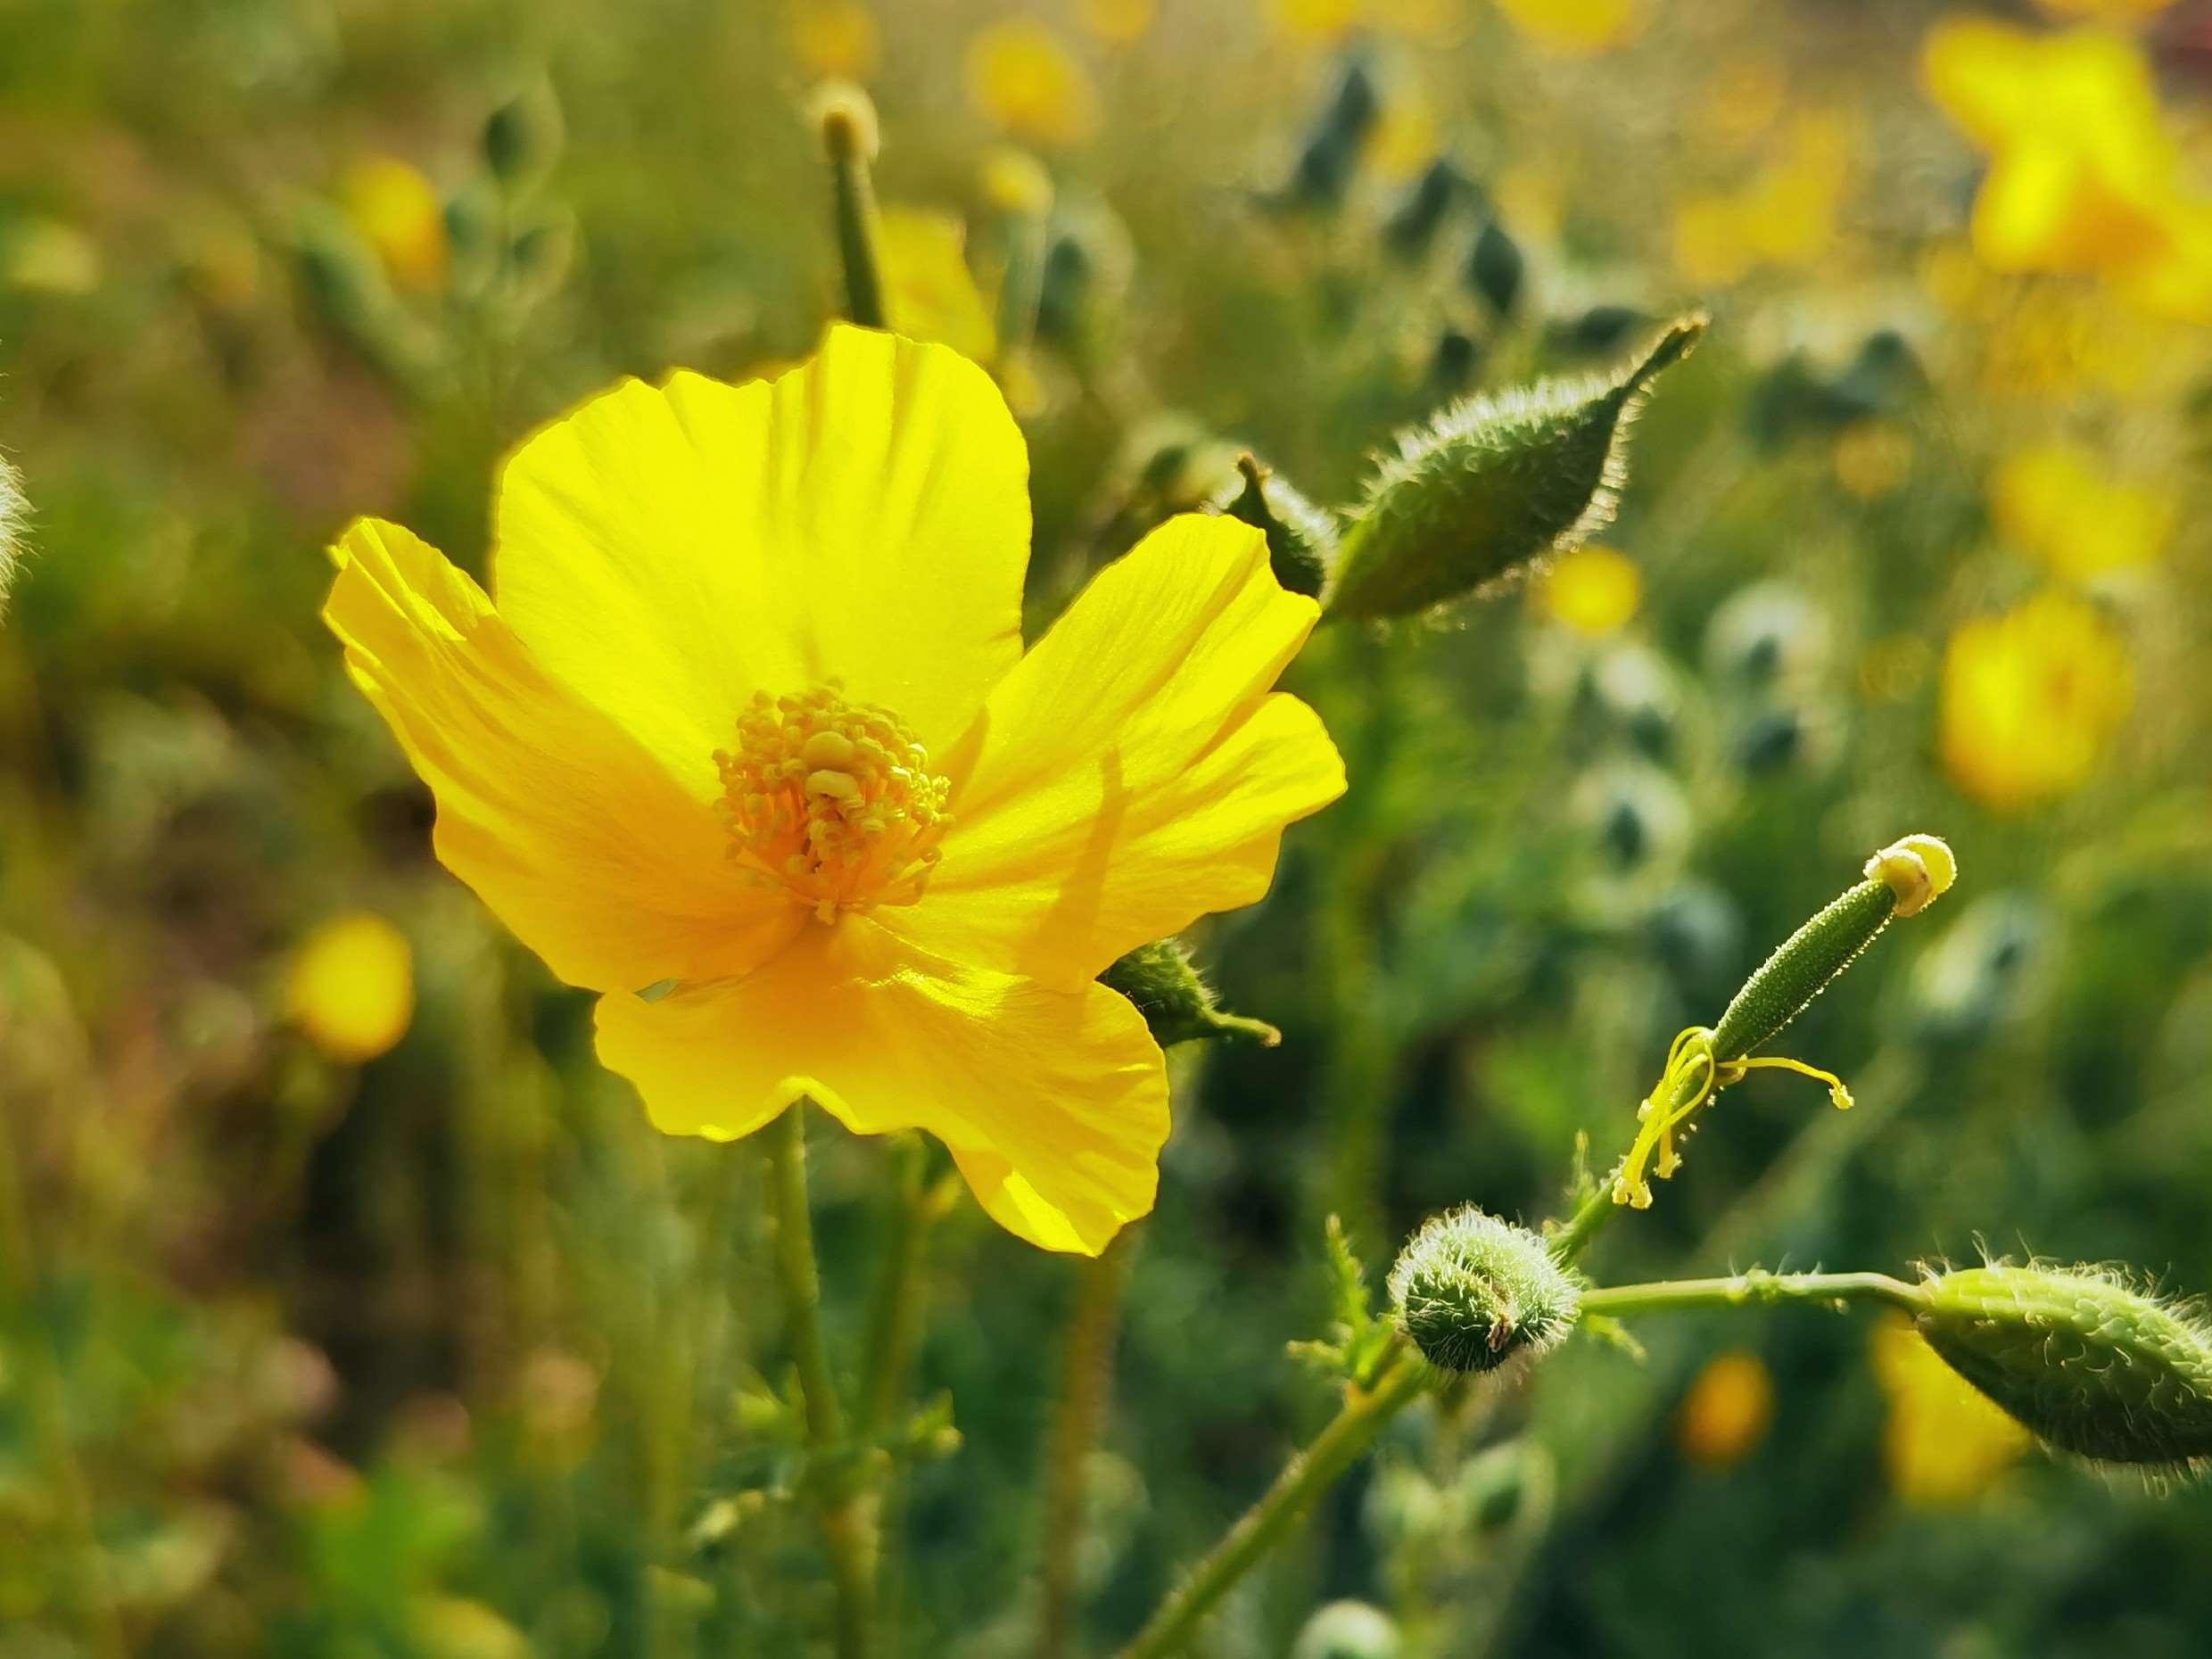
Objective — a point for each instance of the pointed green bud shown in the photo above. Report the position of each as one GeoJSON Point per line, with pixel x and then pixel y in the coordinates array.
{"type": "Point", "coordinates": [1493, 484]}
{"type": "Point", "coordinates": [2081, 1358]}
{"type": "Point", "coordinates": [1177, 1005]}
{"type": "Point", "coordinates": [1495, 269]}
{"type": "Point", "coordinates": [1419, 215]}
{"type": "Point", "coordinates": [522, 138]}
{"type": "Point", "coordinates": [1470, 1292]}
{"type": "Point", "coordinates": [1301, 538]}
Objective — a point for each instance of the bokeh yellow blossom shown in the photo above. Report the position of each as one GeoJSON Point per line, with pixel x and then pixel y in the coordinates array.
{"type": "Point", "coordinates": [1022, 78]}
{"type": "Point", "coordinates": [1873, 458]}
{"type": "Point", "coordinates": [1785, 214]}
{"type": "Point", "coordinates": [1575, 26]}
{"type": "Point", "coordinates": [351, 986]}
{"type": "Point", "coordinates": [1728, 1410]}
{"type": "Point", "coordinates": [928, 290]}
{"type": "Point", "coordinates": [2055, 502]}
{"type": "Point", "coordinates": [1118, 22]}
{"type": "Point", "coordinates": [1322, 20]}
{"type": "Point", "coordinates": [1594, 590]}
{"type": "Point", "coordinates": [2121, 11]}
{"type": "Point", "coordinates": [1406, 136]}
{"type": "Point", "coordinates": [2083, 173]}
{"type": "Point", "coordinates": [1942, 1442]}
{"type": "Point", "coordinates": [396, 212]}
{"type": "Point", "coordinates": [2031, 699]}
{"type": "Point", "coordinates": [835, 39]}
{"type": "Point", "coordinates": [751, 718]}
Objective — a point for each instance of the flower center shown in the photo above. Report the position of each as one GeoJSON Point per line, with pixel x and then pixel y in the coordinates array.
{"type": "Point", "coordinates": [834, 802]}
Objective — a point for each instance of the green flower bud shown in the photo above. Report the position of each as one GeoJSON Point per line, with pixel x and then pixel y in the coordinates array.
{"type": "Point", "coordinates": [1493, 484]}
{"type": "Point", "coordinates": [12, 515]}
{"type": "Point", "coordinates": [1419, 215]}
{"type": "Point", "coordinates": [1177, 1005]}
{"type": "Point", "coordinates": [2081, 1358]}
{"type": "Point", "coordinates": [1470, 1292]}
{"type": "Point", "coordinates": [1301, 538]}
{"type": "Point", "coordinates": [522, 138]}
{"type": "Point", "coordinates": [1348, 1629]}
{"type": "Point", "coordinates": [1455, 359]}
{"type": "Point", "coordinates": [1495, 269]}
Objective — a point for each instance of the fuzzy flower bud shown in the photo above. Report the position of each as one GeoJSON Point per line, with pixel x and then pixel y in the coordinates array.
{"type": "Point", "coordinates": [1177, 1005]}
{"type": "Point", "coordinates": [1470, 1292]}
{"type": "Point", "coordinates": [1493, 484]}
{"type": "Point", "coordinates": [1301, 538]}
{"type": "Point", "coordinates": [2081, 1358]}
{"type": "Point", "coordinates": [12, 515]}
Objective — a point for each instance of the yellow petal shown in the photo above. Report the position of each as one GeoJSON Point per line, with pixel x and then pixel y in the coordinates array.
{"type": "Point", "coordinates": [668, 551]}
{"type": "Point", "coordinates": [576, 838]}
{"type": "Point", "coordinates": [1054, 1104]}
{"type": "Point", "coordinates": [1133, 773]}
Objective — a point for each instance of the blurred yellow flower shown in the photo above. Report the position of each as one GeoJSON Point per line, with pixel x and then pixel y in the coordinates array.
{"type": "Point", "coordinates": [2053, 501]}
{"type": "Point", "coordinates": [1118, 21]}
{"type": "Point", "coordinates": [1873, 457]}
{"type": "Point", "coordinates": [1727, 1412]}
{"type": "Point", "coordinates": [929, 292]}
{"type": "Point", "coordinates": [1404, 138]}
{"type": "Point", "coordinates": [1942, 1443]}
{"type": "Point", "coordinates": [1785, 214]}
{"type": "Point", "coordinates": [48, 256]}
{"type": "Point", "coordinates": [1316, 20]}
{"type": "Point", "coordinates": [395, 211]}
{"type": "Point", "coordinates": [351, 986]}
{"type": "Point", "coordinates": [835, 39]}
{"type": "Point", "coordinates": [1593, 590]}
{"type": "Point", "coordinates": [2031, 699]}
{"type": "Point", "coordinates": [1023, 79]}
{"type": "Point", "coordinates": [750, 727]}
{"type": "Point", "coordinates": [2083, 174]}
{"type": "Point", "coordinates": [2106, 11]}
{"type": "Point", "coordinates": [1575, 25]}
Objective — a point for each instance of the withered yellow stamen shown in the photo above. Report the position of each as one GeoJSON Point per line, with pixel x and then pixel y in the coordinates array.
{"type": "Point", "coordinates": [834, 802]}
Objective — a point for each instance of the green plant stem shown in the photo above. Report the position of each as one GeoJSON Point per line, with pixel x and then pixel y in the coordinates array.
{"type": "Point", "coordinates": [846, 1509]}
{"type": "Point", "coordinates": [894, 1316]}
{"type": "Point", "coordinates": [1597, 1211]}
{"type": "Point", "coordinates": [1755, 1288]}
{"type": "Point", "coordinates": [1086, 1369]}
{"type": "Point", "coordinates": [1307, 1475]}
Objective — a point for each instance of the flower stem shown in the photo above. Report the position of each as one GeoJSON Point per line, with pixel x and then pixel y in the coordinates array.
{"type": "Point", "coordinates": [894, 1318]}
{"type": "Point", "coordinates": [1308, 1474]}
{"type": "Point", "coordinates": [1086, 1368]}
{"type": "Point", "coordinates": [846, 1509]}
{"type": "Point", "coordinates": [1755, 1287]}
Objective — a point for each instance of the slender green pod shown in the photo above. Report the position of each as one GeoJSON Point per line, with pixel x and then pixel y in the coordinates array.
{"type": "Point", "coordinates": [1301, 537]}
{"type": "Point", "coordinates": [850, 137]}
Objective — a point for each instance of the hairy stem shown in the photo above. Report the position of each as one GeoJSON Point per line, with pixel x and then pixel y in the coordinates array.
{"type": "Point", "coordinates": [1755, 1287]}
{"type": "Point", "coordinates": [1086, 1368]}
{"type": "Point", "coordinates": [1308, 1474]}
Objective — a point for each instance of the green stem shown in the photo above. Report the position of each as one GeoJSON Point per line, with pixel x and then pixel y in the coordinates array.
{"type": "Point", "coordinates": [1598, 1210]}
{"type": "Point", "coordinates": [846, 1509]}
{"type": "Point", "coordinates": [1756, 1287]}
{"type": "Point", "coordinates": [1086, 1368]}
{"type": "Point", "coordinates": [1308, 1474]}
{"type": "Point", "coordinates": [895, 1317]}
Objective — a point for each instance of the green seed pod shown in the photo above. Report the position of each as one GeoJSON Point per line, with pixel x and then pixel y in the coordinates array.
{"type": "Point", "coordinates": [1177, 1005]}
{"type": "Point", "coordinates": [522, 138]}
{"type": "Point", "coordinates": [1493, 484]}
{"type": "Point", "coordinates": [1901, 880]}
{"type": "Point", "coordinates": [2081, 1358]}
{"type": "Point", "coordinates": [1472, 1292]}
{"type": "Point", "coordinates": [1301, 538]}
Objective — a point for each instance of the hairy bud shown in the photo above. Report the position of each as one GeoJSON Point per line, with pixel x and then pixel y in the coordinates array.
{"type": "Point", "coordinates": [1470, 1292]}
{"type": "Point", "coordinates": [1493, 484]}
{"type": "Point", "coordinates": [1177, 1005]}
{"type": "Point", "coordinates": [1301, 538]}
{"type": "Point", "coordinates": [11, 513]}
{"type": "Point", "coordinates": [2081, 1358]}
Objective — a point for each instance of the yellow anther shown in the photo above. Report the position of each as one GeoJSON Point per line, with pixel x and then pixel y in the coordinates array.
{"type": "Point", "coordinates": [832, 801]}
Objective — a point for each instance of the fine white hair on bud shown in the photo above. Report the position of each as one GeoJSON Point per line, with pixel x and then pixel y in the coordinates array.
{"type": "Point", "coordinates": [1470, 1292]}
{"type": "Point", "coordinates": [2082, 1356]}
{"type": "Point", "coordinates": [13, 513]}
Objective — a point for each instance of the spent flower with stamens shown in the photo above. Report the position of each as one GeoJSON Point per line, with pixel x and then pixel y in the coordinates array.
{"type": "Point", "coordinates": [750, 724]}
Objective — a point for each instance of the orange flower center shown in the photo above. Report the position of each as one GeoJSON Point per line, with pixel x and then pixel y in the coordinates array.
{"type": "Point", "coordinates": [834, 802]}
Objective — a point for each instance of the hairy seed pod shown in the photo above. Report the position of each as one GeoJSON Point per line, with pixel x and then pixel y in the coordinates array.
{"type": "Point", "coordinates": [1177, 1005]}
{"type": "Point", "coordinates": [11, 513]}
{"type": "Point", "coordinates": [1470, 1292]}
{"type": "Point", "coordinates": [2081, 1358]}
{"type": "Point", "coordinates": [1301, 538]}
{"type": "Point", "coordinates": [1493, 484]}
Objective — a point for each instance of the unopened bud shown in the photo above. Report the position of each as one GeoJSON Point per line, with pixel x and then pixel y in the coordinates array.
{"type": "Point", "coordinates": [1470, 1292]}
{"type": "Point", "coordinates": [1177, 1005]}
{"type": "Point", "coordinates": [1495, 269]}
{"type": "Point", "coordinates": [1349, 1629]}
{"type": "Point", "coordinates": [1419, 215]}
{"type": "Point", "coordinates": [2080, 1357]}
{"type": "Point", "coordinates": [1301, 538]}
{"type": "Point", "coordinates": [1493, 484]}
{"type": "Point", "coordinates": [522, 138]}
{"type": "Point", "coordinates": [11, 515]}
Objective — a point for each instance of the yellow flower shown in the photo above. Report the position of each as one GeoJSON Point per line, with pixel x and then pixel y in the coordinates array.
{"type": "Point", "coordinates": [1574, 25]}
{"type": "Point", "coordinates": [1873, 458]}
{"type": "Point", "coordinates": [1593, 590]}
{"type": "Point", "coordinates": [929, 292]}
{"type": "Point", "coordinates": [396, 212]}
{"type": "Point", "coordinates": [835, 39]}
{"type": "Point", "coordinates": [1322, 20]}
{"type": "Point", "coordinates": [1785, 214]}
{"type": "Point", "coordinates": [2082, 176]}
{"type": "Point", "coordinates": [751, 715]}
{"type": "Point", "coordinates": [1727, 1411]}
{"type": "Point", "coordinates": [1942, 1443]}
{"type": "Point", "coordinates": [1118, 21]}
{"type": "Point", "coordinates": [1404, 138]}
{"type": "Point", "coordinates": [2031, 699]}
{"type": "Point", "coordinates": [1028, 84]}
{"type": "Point", "coordinates": [2053, 501]}
{"type": "Point", "coordinates": [2106, 11]}
{"type": "Point", "coordinates": [351, 986]}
